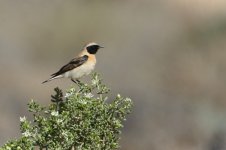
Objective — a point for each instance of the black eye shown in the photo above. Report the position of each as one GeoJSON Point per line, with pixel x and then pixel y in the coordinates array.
{"type": "Point", "coordinates": [93, 49]}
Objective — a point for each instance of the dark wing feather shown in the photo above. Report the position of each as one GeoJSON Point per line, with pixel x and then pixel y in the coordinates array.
{"type": "Point", "coordinates": [74, 63]}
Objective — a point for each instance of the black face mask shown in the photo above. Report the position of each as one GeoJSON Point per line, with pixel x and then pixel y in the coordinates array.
{"type": "Point", "coordinates": [93, 49]}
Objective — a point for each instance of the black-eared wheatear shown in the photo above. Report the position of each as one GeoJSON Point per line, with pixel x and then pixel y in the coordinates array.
{"type": "Point", "coordinates": [81, 65]}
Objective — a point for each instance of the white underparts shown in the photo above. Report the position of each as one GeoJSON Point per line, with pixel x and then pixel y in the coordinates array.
{"type": "Point", "coordinates": [80, 71]}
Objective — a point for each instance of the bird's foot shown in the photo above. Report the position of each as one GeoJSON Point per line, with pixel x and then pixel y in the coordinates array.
{"type": "Point", "coordinates": [79, 83]}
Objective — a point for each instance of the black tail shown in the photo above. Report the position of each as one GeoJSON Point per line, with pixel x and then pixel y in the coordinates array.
{"type": "Point", "coordinates": [44, 81]}
{"type": "Point", "coordinates": [48, 80]}
{"type": "Point", "coordinates": [52, 78]}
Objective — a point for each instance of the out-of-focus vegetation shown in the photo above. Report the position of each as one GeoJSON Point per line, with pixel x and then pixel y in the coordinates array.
{"type": "Point", "coordinates": [168, 55]}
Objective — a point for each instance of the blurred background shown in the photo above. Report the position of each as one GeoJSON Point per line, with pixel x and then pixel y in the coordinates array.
{"type": "Point", "coordinates": [169, 56]}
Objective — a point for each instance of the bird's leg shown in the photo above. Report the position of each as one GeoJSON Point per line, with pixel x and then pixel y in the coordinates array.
{"type": "Point", "coordinates": [79, 82]}
{"type": "Point", "coordinates": [76, 81]}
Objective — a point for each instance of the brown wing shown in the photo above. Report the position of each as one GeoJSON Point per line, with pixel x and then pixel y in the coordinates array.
{"type": "Point", "coordinates": [74, 63]}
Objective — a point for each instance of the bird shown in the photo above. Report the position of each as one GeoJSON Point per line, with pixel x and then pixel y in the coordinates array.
{"type": "Point", "coordinates": [79, 66]}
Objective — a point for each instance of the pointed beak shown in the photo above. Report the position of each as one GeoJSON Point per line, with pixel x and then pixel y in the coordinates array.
{"type": "Point", "coordinates": [101, 46]}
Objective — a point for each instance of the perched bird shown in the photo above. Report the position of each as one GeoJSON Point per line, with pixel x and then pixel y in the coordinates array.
{"type": "Point", "coordinates": [81, 65]}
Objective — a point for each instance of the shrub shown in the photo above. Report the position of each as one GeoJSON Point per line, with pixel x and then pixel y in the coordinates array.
{"type": "Point", "coordinates": [83, 119]}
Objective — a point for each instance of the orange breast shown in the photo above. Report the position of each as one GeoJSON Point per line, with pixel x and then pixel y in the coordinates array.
{"type": "Point", "coordinates": [92, 59]}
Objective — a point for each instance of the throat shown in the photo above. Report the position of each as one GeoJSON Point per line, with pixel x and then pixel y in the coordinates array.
{"type": "Point", "coordinates": [92, 58]}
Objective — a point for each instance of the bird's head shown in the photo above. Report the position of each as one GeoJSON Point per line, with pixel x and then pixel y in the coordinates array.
{"type": "Point", "coordinates": [92, 48]}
